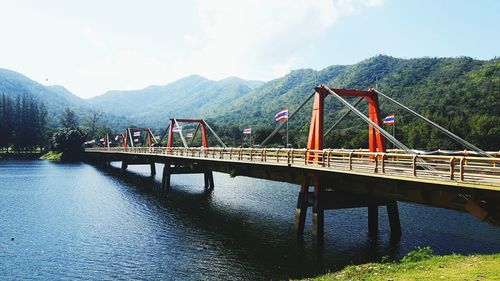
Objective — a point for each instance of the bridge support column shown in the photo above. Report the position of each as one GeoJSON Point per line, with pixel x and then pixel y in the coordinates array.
{"type": "Point", "coordinates": [153, 168]}
{"type": "Point", "coordinates": [373, 219]}
{"type": "Point", "coordinates": [165, 181]}
{"type": "Point", "coordinates": [124, 165]}
{"type": "Point", "coordinates": [393, 214]}
{"type": "Point", "coordinates": [209, 180]}
{"type": "Point", "coordinates": [318, 219]}
{"type": "Point", "coordinates": [301, 211]}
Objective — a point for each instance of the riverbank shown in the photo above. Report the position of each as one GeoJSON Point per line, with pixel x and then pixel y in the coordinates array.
{"type": "Point", "coordinates": [20, 155]}
{"type": "Point", "coordinates": [451, 267]}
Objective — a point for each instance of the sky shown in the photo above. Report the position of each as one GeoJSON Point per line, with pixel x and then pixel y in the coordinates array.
{"type": "Point", "coordinates": [93, 46]}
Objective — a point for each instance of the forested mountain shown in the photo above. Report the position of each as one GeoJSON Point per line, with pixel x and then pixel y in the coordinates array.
{"type": "Point", "coordinates": [54, 98]}
{"type": "Point", "coordinates": [190, 97]}
{"type": "Point", "coordinates": [461, 94]}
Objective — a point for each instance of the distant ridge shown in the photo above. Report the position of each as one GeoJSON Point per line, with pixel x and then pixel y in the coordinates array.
{"type": "Point", "coordinates": [460, 93]}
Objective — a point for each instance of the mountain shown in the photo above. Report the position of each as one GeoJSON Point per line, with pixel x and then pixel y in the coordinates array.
{"type": "Point", "coordinates": [55, 98]}
{"type": "Point", "coordinates": [191, 97]}
{"type": "Point", "coordinates": [462, 94]}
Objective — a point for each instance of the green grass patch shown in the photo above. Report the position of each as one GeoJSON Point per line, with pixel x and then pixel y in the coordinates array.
{"type": "Point", "coordinates": [422, 265]}
{"type": "Point", "coordinates": [52, 156]}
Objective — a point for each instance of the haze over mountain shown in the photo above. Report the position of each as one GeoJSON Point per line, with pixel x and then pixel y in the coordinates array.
{"type": "Point", "coordinates": [460, 93]}
{"type": "Point", "coordinates": [190, 97]}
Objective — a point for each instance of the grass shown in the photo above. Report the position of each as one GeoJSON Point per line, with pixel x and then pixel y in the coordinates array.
{"type": "Point", "coordinates": [422, 265]}
{"type": "Point", "coordinates": [52, 156]}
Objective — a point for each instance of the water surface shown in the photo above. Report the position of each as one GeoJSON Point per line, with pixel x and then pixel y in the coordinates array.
{"type": "Point", "coordinates": [70, 221]}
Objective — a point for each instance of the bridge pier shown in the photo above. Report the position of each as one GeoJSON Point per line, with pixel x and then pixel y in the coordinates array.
{"type": "Point", "coordinates": [168, 171]}
{"type": "Point", "coordinates": [125, 165]}
{"type": "Point", "coordinates": [324, 199]}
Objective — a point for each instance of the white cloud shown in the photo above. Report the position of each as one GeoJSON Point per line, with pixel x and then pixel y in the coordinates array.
{"type": "Point", "coordinates": [92, 38]}
{"type": "Point", "coordinates": [259, 38]}
{"type": "Point", "coordinates": [252, 39]}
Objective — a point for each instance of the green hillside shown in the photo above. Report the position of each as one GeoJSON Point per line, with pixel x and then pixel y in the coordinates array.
{"type": "Point", "coordinates": [462, 94]}
{"type": "Point", "coordinates": [54, 98]}
{"type": "Point", "coordinates": [190, 97]}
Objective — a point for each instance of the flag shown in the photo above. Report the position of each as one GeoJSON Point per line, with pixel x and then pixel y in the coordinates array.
{"type": "Point", "coordinates": [177, 129]}
{"type": "Point", "coordinates": [389, 119]}
{"type": "Point", "coordinates": [116, 138]}
{"type": "Point", "coordinates": [189, 135]}
{"type": "Point", "coordinates": [136, 140]}
{"type": "Point", "coordinates": [247, 131]}
{"type": "Point", "coordinates": [137, 134]}
{"type": "Point", "coordinates": [282, 115]}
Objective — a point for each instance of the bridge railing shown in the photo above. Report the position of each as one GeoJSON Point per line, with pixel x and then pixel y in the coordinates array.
{"type": "Point", "coordinates": [440, 167]}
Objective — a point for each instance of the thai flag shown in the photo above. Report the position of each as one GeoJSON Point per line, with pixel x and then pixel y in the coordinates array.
{"type": "Point", "coordinates": [189, 135]}
{"type": "Point", "coordinates": [247, 131]}
{"type": "Point", "coordinates": [282, 115]}
{"type": "Point", "coordinates": [389, 119]}
{"type": "Point", "coordinates": [137, 134]}
{"type": "Point", "coordinates": [177, 129]}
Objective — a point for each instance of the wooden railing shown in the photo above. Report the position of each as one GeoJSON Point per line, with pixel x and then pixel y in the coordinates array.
{"type": "Point", "coordinates": [474, 170]}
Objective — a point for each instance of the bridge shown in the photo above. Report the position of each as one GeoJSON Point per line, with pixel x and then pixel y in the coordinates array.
{"type": "Point", "coordinates": [330, 178]}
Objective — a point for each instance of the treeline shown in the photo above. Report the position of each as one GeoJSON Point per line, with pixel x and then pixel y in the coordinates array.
{"type": "Point", "coordinates": [23, 124]}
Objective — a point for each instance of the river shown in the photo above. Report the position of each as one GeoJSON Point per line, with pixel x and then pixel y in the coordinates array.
{"type": "Point", "coordinates": [78, 221]}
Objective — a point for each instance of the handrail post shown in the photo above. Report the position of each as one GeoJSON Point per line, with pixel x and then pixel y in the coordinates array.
{"type": "Point", "coordinates": [305, 156]}
{"type": "Point", "coordinates": [452, 168]}
{"type": "Point", "coordinates": [462, 161]}
{"type": "Point", "coordinates": [288, 157]}
{"type": "Point", "coordinates": [375, 169]}
{"type": "Point", "coordinates": [383, 163]}
{"type": "Point", "coordinates": [350, 161]}
{"type": "Point", "coordinates": [414, 160]}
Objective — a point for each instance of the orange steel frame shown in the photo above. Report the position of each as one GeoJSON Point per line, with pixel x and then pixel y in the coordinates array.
{"type": "Point", "coordinates": [375, 139]}
{"type": "Point", "coordinates": [203, 126]}
{"type": "Point", "coordinates": [126, 137]}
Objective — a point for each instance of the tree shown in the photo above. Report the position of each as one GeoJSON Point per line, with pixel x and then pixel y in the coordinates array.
{"type": "Point", "coordinates": [69, 119]}
{"type": "Point", "coordinates": [93, 122]}
{"type": "Point", "coordinates": [69, 140]}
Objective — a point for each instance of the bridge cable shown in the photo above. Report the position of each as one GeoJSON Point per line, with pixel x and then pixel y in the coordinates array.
{"type": "Point", "coordinates": [216, 136]}
{"type": "Point", "coordinates": [164, 134]}
{"type": "Point", "coordinates": [443, 130]}
{"type": "Point", "coordinates": [370, 122]}
{"type": "Point", "coordinates": [194, 135]}
{"type": "Point", "coordinates": [283, 123]}
{"type": "Point", "coordinates": [130, 137]}
{"type": "Point", "coordinates": [383, 132]}
{"type": "Point", "coordinates": [180, 133]}
{"type": "Point", "coordinates": [342, 117]}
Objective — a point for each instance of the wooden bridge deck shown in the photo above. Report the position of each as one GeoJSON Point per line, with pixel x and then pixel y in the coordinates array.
{"type": "Point", "coordinates": [460, 171]}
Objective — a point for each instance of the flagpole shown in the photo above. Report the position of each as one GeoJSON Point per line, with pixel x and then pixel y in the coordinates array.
{"type": "Point", "coordinates": [393, 130]}
{"type": "Point", "coordinates": [286, 133]}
